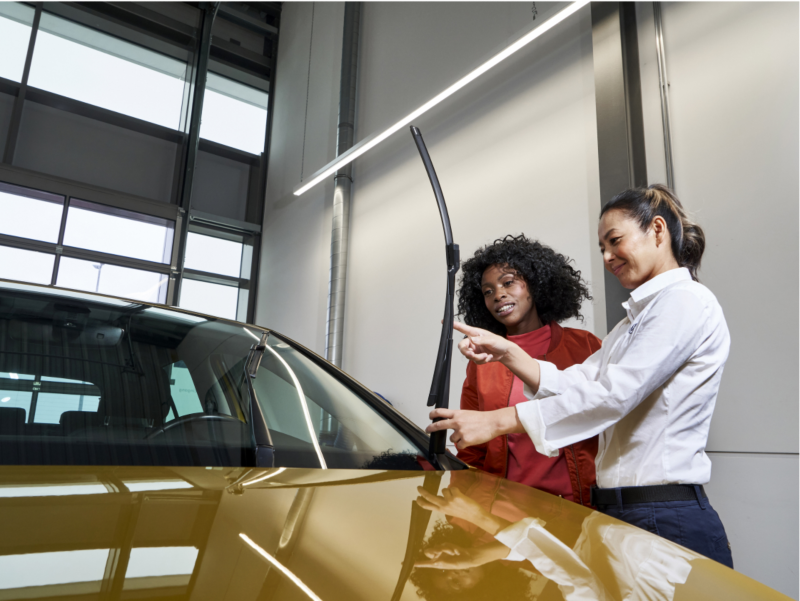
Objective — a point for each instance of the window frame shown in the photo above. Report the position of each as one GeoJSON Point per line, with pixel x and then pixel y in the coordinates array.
{"type": "Point", "coordinates": [177, 36]}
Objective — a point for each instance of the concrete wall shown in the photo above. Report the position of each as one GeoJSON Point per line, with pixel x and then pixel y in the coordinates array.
{"type": "Point", "coordinates": [733, 74]}
{"type": "Point", "coordinates": [516, 151]}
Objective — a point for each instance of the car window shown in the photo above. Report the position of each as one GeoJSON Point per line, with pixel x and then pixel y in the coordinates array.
{"type": "Point", "coordinates": [86, 380]}
{"type": "Point", "coordinates": [317, 421]}
{"type": "Point", "coordinates": [182, 389]}
{"type": "Point", "coordinates": [45, 399]}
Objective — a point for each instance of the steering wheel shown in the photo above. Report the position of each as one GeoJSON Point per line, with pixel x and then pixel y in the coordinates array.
{"type": "Point", "coordinates": [197, 417]}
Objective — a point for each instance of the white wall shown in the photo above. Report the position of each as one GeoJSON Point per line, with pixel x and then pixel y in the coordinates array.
{"type": "Point", "coordinates": [733, 73]}
{"type": "Point", "coordinates": [517, 152]}
{"type": "Point", "coordinates": [293, 272]}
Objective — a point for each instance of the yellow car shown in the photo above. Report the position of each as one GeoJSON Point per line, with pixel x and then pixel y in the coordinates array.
{"type": "Point", "coordinates": [152, 453]}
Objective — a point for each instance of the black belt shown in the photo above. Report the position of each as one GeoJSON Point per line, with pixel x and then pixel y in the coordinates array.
{"type": "Point", "coordinates": [646, 494]}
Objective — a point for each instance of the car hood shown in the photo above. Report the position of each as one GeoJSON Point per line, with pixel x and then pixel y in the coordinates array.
{"type": "Point", "coordinates": [300, 534]}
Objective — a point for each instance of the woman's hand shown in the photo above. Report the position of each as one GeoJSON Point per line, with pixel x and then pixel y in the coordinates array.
{"type": "Point", "coordinates": [449, 556]}
{"type": "Point", "coordinates": [481, 346]}
{"type": "Point", "coordinates": [475, 427]}
{"type": "Point", "coordinates": [456, 504]}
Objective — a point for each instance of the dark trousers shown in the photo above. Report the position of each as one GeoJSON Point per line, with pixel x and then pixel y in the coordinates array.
{"type": "Point", "coordinates": [692, 524]}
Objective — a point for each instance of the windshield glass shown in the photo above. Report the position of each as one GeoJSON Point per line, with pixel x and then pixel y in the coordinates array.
{"type": "Point", "coordinates": [315, 421]}
{"type": "Point", "coordinates": [89, 382]}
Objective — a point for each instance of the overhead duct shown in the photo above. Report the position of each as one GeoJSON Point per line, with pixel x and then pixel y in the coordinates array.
{"type": "Point", "coordinates": [340, 232]}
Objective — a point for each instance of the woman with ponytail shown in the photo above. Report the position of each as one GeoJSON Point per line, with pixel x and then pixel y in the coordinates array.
{"type": "Point", "coordinates": [649, 392]}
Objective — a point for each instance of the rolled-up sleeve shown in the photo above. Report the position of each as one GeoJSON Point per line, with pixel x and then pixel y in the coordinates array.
{"type": "Point", "coordinates": [576, 404]}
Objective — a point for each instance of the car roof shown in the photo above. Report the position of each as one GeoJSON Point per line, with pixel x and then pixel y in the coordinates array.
{"type": "Point", "coordinates": [113, 301]}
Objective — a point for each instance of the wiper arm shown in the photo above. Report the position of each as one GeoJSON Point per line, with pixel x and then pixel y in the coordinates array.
{"type": "Point", "coordinates": [261, 440]}
{"type": "Point", "coordinates": [440, 386]}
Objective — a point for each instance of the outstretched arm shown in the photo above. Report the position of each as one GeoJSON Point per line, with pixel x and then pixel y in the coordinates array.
{"type": "Point", "coordinates": [476, 427]}
{"type": "Point", "coordinates": [481, 346]}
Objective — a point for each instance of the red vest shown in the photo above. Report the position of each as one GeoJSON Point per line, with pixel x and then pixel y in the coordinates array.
{"type": "Point", "coordinates": [488, 387]}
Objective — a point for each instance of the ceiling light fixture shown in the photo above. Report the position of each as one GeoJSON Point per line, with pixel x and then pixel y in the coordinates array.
{"type": "Point", "coordinates": [369, 143]}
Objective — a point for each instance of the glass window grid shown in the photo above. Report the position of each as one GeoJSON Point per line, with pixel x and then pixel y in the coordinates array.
{"type": "Point", "coordinates": [245, 308]}
{"type": "Point", "coordinates": [247, 97]}
{"type": "Point", "coordinates": [240, 308]}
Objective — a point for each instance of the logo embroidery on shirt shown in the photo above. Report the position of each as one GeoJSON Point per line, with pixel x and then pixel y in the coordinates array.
{"type": "Point", "coordinates": [633, 327]}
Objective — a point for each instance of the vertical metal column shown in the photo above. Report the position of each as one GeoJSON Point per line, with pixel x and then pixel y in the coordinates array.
{"type": "Point", "coordinates": [192, 143]}
{"type": "Point", "coordinates": [620, 124]}
{"type": "Point", "coordinates": [663, 82]}
{"type": "Point", "coordinates": [340, 231]}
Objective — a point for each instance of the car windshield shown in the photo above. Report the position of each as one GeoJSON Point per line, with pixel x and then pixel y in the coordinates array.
{"type": "Point", "coordinates": [86, 380]}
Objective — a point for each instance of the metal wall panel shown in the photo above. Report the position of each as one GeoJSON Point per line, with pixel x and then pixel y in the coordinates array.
{"type": "Point", "coordinates": [85, 150]}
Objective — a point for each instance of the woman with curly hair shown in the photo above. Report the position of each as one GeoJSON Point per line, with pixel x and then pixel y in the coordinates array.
{"type": "Point", "coordinates": [520, 289]}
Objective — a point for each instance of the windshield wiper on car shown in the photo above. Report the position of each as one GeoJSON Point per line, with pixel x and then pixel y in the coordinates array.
{"type": "Point", "coordinates": [261, 440]}
{"type": "Point", "coordinates": [440, 386]}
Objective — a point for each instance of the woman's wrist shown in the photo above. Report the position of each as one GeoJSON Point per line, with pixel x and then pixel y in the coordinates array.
{"type": "Point", "coordinates": [506, 421]}
{"type": "Point", "coordinates": [522, 365]}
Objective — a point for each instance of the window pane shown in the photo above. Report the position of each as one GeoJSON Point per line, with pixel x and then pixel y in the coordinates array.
{"type": "Point", "coordinates": [112, 279]}
{"type": "Point", "coordinates": [184, 394]}
{"type": "Point", "coordinates": [321, 417]}
{"type": "Point", "coordinates": [15, 392]}
{"type": "Point", "coordinates": [118, 232]}
{"type": "Point", "coordinates": [84, 64]}
{"type": "Point", "coordinates": [210, 299]}
{"type": "Point", "coordinates": [60, 567]}
{"type": "Point", "coordinates": [234, 114]}
{"type": "Point", "coordinates": [15, 33]}
{"type": "Point", "coordinates": [17, 204]}
{"type": "Point", "coordinates": [25, 265]}
{"type": "Point", "coordinates": [58, 395]}
{"type": "Point", "coordinates": [213, 255]}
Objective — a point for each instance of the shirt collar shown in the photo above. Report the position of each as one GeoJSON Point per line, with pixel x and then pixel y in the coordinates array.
{"type": "Point", "coordinates": [642, 296]}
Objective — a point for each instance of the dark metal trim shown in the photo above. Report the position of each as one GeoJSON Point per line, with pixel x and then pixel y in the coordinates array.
{"type": "Point", "coordinates": [84, 109]}
{"type": "Point", "coordinates": [69, 188]}
{"type": "Point", "coordinates": [192, 145]}
{"type": "Point", "coordinates": [228, 152]}
{"type": "Point", "coordinates": [227, 223]}
{"type": "Point", "coordinates": [110, 259]}
{"type": "Point", "coordinates": [9, 87]}
{"type": "Point", "coordinates": [58, 249]}
{"type": "Point", "coordinates": [28, 244]}
{"type": "Point", "coordinates": [230, 13]}
{"type": "Point", "coordinates": [19, 103]}
{"type": "Point", "coordinates": [159, 33]}
{"type": "Point", "coordinates": [227, 52]}
{"type": "Point", "coordinates": [216, 278]}
{"type": "Point", "coordinates": [60, 243]}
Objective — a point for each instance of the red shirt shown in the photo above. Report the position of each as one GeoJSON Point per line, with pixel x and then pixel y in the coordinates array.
{"type": "Point", "coordinates": [525, 463]}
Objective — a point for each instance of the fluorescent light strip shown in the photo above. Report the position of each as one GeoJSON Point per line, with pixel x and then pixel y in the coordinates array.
{"type": "Point", "coordinates": [267, 477]}
{"type": "Point", "coordinates": [498, 58]}
{"type": "Point", "coordinates": [299, 583]}
{"type": "Point", "coordinates": [304, 405]}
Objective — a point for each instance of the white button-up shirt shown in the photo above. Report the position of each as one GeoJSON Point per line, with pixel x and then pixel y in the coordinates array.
{"type": "Point", "coordinates": [649, 391]}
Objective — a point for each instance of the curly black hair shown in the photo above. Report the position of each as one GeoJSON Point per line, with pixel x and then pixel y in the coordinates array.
{"type": "Point", "coordinates": [556, 287]}
{"type": "Point", "coordinates": [501, 581]}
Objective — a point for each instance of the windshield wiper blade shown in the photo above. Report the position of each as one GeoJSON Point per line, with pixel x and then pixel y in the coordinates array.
{"type": "Point", "coordinates": [440, 386]}
{"type": "Point", "coordinates": [261, 439]}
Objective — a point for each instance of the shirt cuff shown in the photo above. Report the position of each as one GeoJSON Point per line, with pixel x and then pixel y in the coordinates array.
{"type": "Point", "coordinates": [515, 534]}
{"type": "Point", "coordinates": [548, 379]}
{"type": "Point", "coordinates": [530, 415]}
